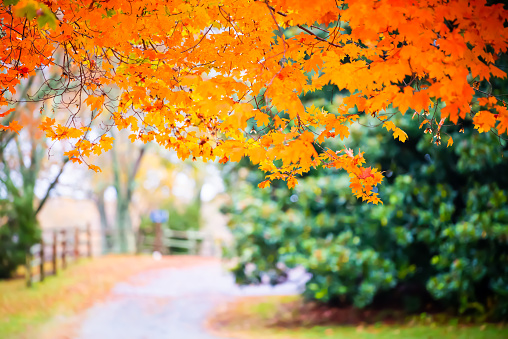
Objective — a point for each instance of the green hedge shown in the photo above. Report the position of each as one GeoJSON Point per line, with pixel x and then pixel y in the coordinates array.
{"type": "Point", "coordinates": [441, 236]}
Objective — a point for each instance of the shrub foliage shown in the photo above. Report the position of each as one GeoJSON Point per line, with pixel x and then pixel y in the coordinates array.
{"type": "Point", "coordinates": [441, 235]}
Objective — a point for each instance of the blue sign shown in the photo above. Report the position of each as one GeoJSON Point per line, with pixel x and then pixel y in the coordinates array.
{"type": "Point", "coordinates": [159, 216]}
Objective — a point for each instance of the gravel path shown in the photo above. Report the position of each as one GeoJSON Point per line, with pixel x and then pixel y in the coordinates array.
{"type": "Point", "coordinates": [167, 304]}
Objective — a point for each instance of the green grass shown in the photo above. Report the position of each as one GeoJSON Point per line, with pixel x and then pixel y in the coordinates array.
{"type": "Point", "coordinates": [383, 332]}
{"type": "Point", "coordinates": [22, 308]}
{"type": "Point", "coordinates": [250, 318]}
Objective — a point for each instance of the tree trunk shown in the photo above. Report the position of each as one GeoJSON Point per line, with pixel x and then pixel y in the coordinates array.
{"type": "Point", "coordinates": [107, 244]}
{"type": "Point", "coordinates": [123, 225]}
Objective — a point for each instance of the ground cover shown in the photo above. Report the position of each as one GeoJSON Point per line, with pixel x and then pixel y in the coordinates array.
{"type": "Point", "coordinates": [24, 310]}
{"type": "Point", "coordinates": [278, 317]}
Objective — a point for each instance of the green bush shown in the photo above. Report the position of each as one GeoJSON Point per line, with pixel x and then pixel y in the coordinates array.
{"type": "Point", "coordinates": [186, 218]}
{"type": "Point", "coordinates": [19, 232]}
{"type": "Point", "coordinates": [441, 235]}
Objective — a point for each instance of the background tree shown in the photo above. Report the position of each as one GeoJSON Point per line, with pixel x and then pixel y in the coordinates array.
{"type": "Point", "coordinates": [120, 172]}
{"type": "Point", "coordinates": [25, 172]}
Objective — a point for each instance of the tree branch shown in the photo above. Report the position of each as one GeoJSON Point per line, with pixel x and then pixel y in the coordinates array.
{"type": "Point", "coordinates": [51, 186]}
{"type": "Point", "coordinates": [132, 175]}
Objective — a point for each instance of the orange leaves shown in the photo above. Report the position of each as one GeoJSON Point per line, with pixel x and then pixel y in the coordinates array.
{"type": "Point", "coordinates": [366, 173]}
{"type": "Point", "coordinates": [73, 155]}
{"type": "Point", "coordinates": [234, 150]}
{"type": "Point", "coordinates": [389, 125]}
{"type": "Point", "coordinates": [292, 182]}
{"type": "Point", "coordinates": [256, 155]}
{"type": "Point", "coordinates": [314, 63]}
{"type": "Point", "coordinates": [264, 184]}
{"type": "Point", "coordinates": [105, 144]}
{"type": "Point", "coordinates": [14, 126]}
{"type": "Point", "coordinates": [238, 119]}
{"type": "Point", "coordinates": [46, 124]}
{"type": "Point", "coordinates": [204, 92]}
{"type": "Point", "coordinates": [484, 121]}
{"type": "Point", "coordinates": [9, 111]}
{"type": "Point", "coordinates": [502, 117]}
{"type": "Point", "coordinates": [262, 118]}
{"type": "Point", "coordinates": [397, 132]}
{"type": "Point", "coordinates": [403, 100]}
{"type": "Point", "coordinates": [94, 168]}
{"type": "Point", "coordinates": [420, 101]}
{"type": "Point", "coordinates": [363, 180]}
{"type": "Point", "coordinates": [63, 132]}
{"type": "Point", "coordinates": [488, 101]}
{"type": "Point", "coordinates": [95, 102]}
{"type": "Point", "coordinates": [236, 154]}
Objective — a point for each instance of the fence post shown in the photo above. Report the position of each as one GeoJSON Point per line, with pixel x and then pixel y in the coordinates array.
{"type": "Point", "coordinates": [42, 257]}
{"type": "Point", "coordinates": [55, 252]}
{"type": "Point", "coordinates": [76, 243]}
{"type": "Point", "coordinates": [158, 241]}
{"type": "Point", "coordinates": [64, 248]}
{"type": "Point", "coordinates": [28, 269]}
{"type": "Point", "coordinates": [89, 239]}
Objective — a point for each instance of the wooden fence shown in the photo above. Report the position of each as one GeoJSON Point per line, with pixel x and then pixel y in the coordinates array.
{"type": "Point", "coordinates": [64, 244]}
{"type": "Point", "coordinates": [167, 241]}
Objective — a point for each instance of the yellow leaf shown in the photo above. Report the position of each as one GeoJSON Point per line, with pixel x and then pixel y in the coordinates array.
{"type": "Point", "coordinates": [389, 125]}
{"type": "Point", "coordinates": [398, 133]}
{"type": "Point", "coordinates": [450, 142]}
{"type": "Point", "coordinates": [96, 169]}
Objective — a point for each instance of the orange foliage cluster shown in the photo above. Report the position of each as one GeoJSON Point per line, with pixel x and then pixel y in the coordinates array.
{"type": "Point", "coordinates": [196, 75]}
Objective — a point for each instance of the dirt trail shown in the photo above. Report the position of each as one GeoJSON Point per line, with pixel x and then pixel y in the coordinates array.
{"type": "Point", "coordinates": [168, 303]}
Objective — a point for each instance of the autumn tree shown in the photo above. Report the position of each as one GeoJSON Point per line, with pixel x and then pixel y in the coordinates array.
{"type": "Point", "coordinates": [120, 169]}
{"type": "Point", "coordinates": [192, 75]}
{"type": "Point", "coordinates": [25, 170]}
{"type": "Point", "coordinates": [172, 185]}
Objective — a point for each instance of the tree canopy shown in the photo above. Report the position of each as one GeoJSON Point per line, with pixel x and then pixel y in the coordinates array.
{"type": "Point", "coordinates": [222, 79]}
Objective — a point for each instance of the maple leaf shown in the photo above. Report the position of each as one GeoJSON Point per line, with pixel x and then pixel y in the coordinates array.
{"type": "Point", "coordinates": [398, 133]}
{"type": "Point", "coordinates": [389, 125]}
{"type": "Point", "coordinates": [450, 142]}
{"type": "Point", "coordinates": [94, 168]}
{"type": "Point", "coordinates": [292, 182]}
{"type": "Point", "coordinates": [47, 123]}
{"type": "Point", "coordinates": [264, 184]}
{"type": "Point", "coordinates": [94, 102]}
{"type": "Point", "coordinates": [132, 137]}
{"type": "Point", "coordinates": [349, 152]}
{"type": "Point", "coordinates": [256, 155]}
{"type": "Point", "coordinates": [236, 154]}
{"type": "Point", "coordinates": [366, 173]}
{"type": "Point", "coordinates": [73, 155]}
{"type": "Point", "coordinates": [262, 118]}
{"type": "Point", "coordinates": [503, 122]}
{"type": "Point", "coordinates": [356, 187]}
{"type": "Point", "coordinates": [484, 121]}
{"type": "Point", "coordinates": [7, 112]}
{"type": "Point", "coordinates": [106, 143]}
{"type": "Point", "coordinates": [14, 126]}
